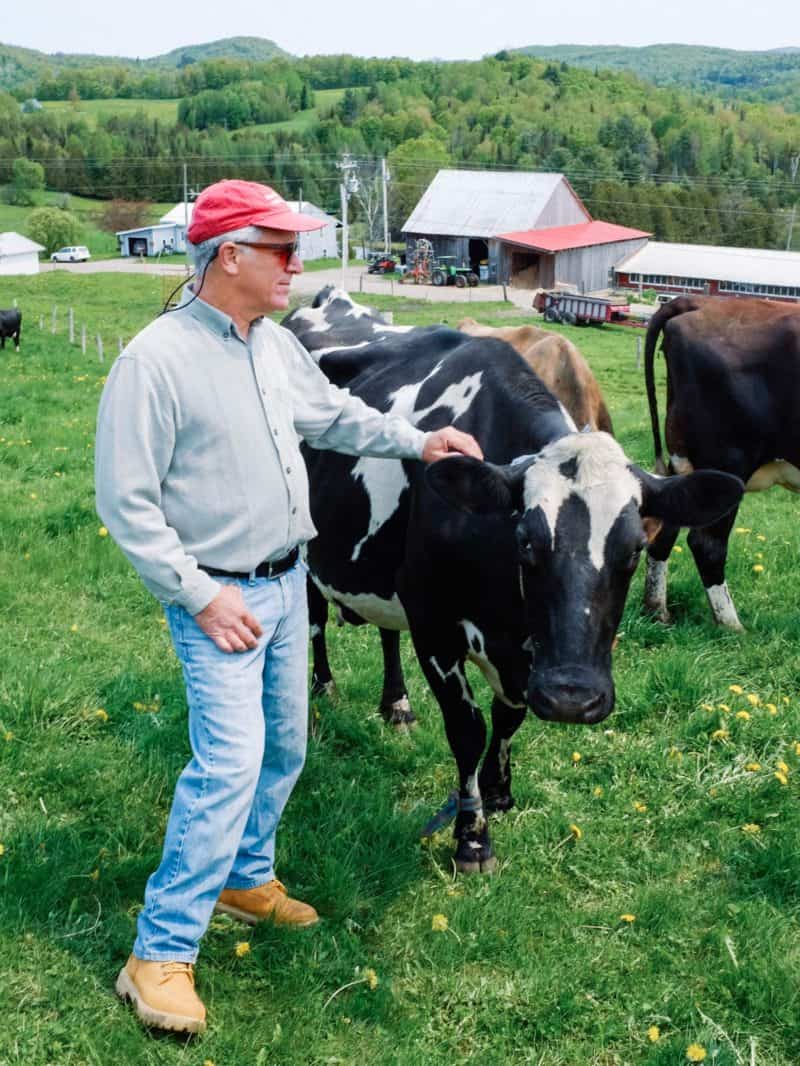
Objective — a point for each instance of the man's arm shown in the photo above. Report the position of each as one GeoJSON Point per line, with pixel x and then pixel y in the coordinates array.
{"type": "Point", "coordinates": [135, 442]}
{"type": "Point", "coordinates": [327, 416]}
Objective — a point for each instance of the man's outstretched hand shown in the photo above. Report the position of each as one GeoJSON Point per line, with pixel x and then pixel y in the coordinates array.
{"type": "Point", "coordinates": [450, 441]}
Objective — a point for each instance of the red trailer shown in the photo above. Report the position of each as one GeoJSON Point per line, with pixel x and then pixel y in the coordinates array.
{"type": "Point", "coordinates": [578, 310]}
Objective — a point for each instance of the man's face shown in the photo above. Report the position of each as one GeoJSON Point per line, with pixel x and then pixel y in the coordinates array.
{"type": "Point", "coordinates": [265, 274]}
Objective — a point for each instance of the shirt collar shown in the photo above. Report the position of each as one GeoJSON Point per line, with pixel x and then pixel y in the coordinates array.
{"type": "Point", "coordinates": [211, 317]}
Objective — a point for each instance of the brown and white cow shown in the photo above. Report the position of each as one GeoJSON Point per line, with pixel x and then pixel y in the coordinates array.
{"type": "Point", "coordinates": [559, 364]}
{"type": "Point", "coordinates": [733, 403]}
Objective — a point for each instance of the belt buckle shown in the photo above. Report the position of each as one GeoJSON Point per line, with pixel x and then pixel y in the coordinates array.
{"type": "Point", "coordinates": [269, 571]}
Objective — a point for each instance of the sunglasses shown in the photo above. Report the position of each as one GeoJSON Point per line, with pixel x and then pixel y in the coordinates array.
{"type": "Point", "coordinates": [287, 251]}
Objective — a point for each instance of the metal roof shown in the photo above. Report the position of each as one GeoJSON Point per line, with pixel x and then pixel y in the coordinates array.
{"type": "Point", "coordinates": [758, 266]}
{"type": "Point", "coordinates": [147, 229]}
{"type": "Point", "coordinates": [15, 244]}
{"type": "Point", "coordinates": [483, 203]}
{"type": "Point", "coordinates": [179, 213]}
{"type": "Point", "coordinates": [582, 235]}
{"type": "Point", "coordinates": [307, 208]}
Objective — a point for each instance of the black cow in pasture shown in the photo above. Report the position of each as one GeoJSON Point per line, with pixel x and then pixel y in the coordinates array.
{"type": "Point", "coordinates": [733, 403]}
{"type": "Point", "coordinates": [520, 564]}
{"type": "Point", "coordinates": [10, 326]}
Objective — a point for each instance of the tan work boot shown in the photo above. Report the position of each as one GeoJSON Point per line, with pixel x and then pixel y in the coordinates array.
{"type": "Point", "coordinates": [163, 994]}
{"type": "Point", "coordinates": [269, 902]}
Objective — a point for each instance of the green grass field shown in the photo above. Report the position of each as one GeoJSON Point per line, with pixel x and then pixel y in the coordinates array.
{"type": "Point", "coordinates": [324, 101]}
{"type": "Point", "coordinates": [164, 110]}
{"type": "Point", "coordinates": [670, 813]}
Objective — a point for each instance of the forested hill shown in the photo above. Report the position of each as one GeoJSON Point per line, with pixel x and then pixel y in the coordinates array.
{"type": "Point", "coordinates": [772, 75]}
{"type": "Point", "coordinates": [22, 69]}
{"type": "Point", "coordinates": [683, 165]}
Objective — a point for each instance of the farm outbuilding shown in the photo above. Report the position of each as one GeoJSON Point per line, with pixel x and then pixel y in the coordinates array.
{"type": "Point", "coordinates": [321, 243]}
{"type": "Point", "coordinates": [158, 239]}
{"type": "Point", "coordinates": [18, 254]}
{"type": "Point", "coordinates": [581, 255]}
{"type": "Point", "coordinates": [701, 268]}
{"type": "Point", "coordinates": [525, 229]}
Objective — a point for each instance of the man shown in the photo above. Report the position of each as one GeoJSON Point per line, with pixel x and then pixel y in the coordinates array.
{"type": "Point", "coordinates": [201, 483]}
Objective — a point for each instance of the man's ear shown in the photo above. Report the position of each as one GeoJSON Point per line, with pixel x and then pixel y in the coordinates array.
{"type": "Point", "coordinates": [474, 486]}
{"type": "Point", "coordinates": [692, 500]}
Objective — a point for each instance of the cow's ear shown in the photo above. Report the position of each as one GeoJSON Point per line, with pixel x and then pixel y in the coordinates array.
{"type": "Point", "coordinates": [692, 500]}
{"type": "Point", "coordinates": [473, 486]}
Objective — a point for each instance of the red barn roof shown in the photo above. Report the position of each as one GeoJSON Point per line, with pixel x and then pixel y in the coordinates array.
{"type": "Point", "coordinates": [582, 235]}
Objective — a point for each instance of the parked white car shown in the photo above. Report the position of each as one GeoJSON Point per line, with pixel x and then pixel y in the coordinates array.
{"type": "Point", "coordinates": [77, 253]}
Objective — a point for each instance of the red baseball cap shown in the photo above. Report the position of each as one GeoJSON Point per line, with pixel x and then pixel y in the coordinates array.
{"type": "Point", "coordinates": [233, 204]}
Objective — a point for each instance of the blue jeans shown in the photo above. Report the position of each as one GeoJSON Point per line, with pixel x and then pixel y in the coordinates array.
{"type": "Point", "coordinates": [248, 719]}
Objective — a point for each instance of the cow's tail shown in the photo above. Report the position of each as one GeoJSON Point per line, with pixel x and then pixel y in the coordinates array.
{"type": "Point", "coordinates": [659, 319]}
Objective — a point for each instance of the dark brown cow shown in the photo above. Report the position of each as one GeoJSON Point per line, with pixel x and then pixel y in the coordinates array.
{"type": "Point", "coordinates": [560, 366]}
{"type": "Point", "coordinates": [733, 403]}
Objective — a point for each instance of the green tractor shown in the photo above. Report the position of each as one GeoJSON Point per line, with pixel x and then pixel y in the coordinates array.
{"type": "Point", "coordinates": [445, 272]}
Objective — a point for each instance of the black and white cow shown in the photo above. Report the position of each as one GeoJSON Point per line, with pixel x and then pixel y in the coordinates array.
{"type": "Point", "coordinates": [10, 326]}
{"type": "Point", "coordinates": [520, 564]}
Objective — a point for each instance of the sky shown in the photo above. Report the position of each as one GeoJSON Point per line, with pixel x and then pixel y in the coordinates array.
{"type": "Point", "coordinates": [421, 29]}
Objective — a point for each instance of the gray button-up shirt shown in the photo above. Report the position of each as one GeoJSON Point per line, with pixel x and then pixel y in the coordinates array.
{"type": "Point", "coordinates": [197, 457]}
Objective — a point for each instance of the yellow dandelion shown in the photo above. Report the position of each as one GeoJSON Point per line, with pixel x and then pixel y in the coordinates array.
{"type": "Point", "coordinates": [720, 734]}
{"type": "Point", "coordinates": [34, 496]}
{"type": "Point", "coordinates": [597, 791]}
{"type": "Point", "coordinates": [653, 1034]}
{"type": "Point", "coordinates": [724, 708]}
{"type": "Point", "coordinates": [102, 532]}
{"type": "Point", "coordinates": [771, 708]}
{"type": "Point", "coordinates": [102, 714]}
{"type": "Point", "coordinates": [759, 555]}
{"type": "Point", "coordinates": [781, 765]}
{"type": "Point", "coordinates": [758, 568]}
{"type": "Point", "coordinates": [678, 549]}
{"type": "Point", "coordinates": [675, 753]}
{"type": "Point", "coordinates": [751, 828]}
{"type": "Point", "coordinates": [209, 1062]}
{"type": "Point", "coordinates": [439, 923]}
{"type": "Point", "coordinates": [94, 875]}
{"type": "Point", "coordinates": [27, 555]}
{"type": "Point", "coordinates": [753, 699]}
{"type": "Point", "coordinates": [752, 767]}
{"type": "Point", "coordinates": [785, 700]}
{"type": "Point", "coordinates": [639, 806]}
{"type": "Point", "coordinates": [796, 743]}
{"type": "Point", "coordinates": [73, 628]}
{"type": "Point", "coordinates": [737, 690]}
{"type": "Point", "coordinates": [242, 948]}
{"type": "Point", "coordinates": [695, 1053]}
{"type": "Point", "coordinates": [2, 849]}
{"type": "Point", "coordinates": [707, 706]}
{"type": "Point", "coordinates": [629, 918]}
{"type": "Point", "coordinates": [761, 537]}
{"type": "Point", "coordinates": [8, 736]}
{"type": "Point", "coordinates": [743, 529]}
{"type": "Point", "coordinates": [371, 978]}
{"type": "Point", "coordinates": [744, 716]}
{"type": "Point", "coordinates": [782, 778]}
{"type": "Point", "coordinates": [576, 831]}
{"type": "Point", "coordinates": [576, 756]}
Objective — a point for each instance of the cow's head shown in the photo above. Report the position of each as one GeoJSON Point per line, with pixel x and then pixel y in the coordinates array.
{"type": "Point", "coordinates": [580, 508]}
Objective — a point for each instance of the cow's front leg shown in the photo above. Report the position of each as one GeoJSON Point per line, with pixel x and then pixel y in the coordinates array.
{"type": "Point", "coordinates": [655, 581]}
{"type": "Point", "coordinates": [395, 708]}
{"type": "Point", "coordinates": [443, 667]}
{"type": "Point", "coordinates": [710, 550]}
{"type": "Point", "coordinates": [322, 683]}
{"type": "Point", "coordinates": [495, 777]}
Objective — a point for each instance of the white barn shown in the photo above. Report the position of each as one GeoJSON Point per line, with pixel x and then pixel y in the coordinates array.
{"type": "Point", "coordinates": [321, 243]}
{"type": "Point", "coordinates": [18, 254]}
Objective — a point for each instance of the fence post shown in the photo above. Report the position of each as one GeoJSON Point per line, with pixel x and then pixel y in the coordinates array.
{"type": "Point", "coordinates": [53, 325]}
{"type": "Point", "coordinates": [71, 320]}
{"type": "Point", "coordinates": [638, 353]}
{"type": "Point", "coordinates": [83, 338]}
{"type": "Point", "coordinates": [99, 347]}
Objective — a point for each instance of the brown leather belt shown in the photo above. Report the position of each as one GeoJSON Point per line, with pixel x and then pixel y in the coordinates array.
{"type": "Point", "coordinates": [270, 568]}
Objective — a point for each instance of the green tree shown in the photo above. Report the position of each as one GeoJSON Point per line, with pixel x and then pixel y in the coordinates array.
{"type": "Point", "coordinates": [27, 181]}
{"type": "Point", "coordinates": [53, 228]}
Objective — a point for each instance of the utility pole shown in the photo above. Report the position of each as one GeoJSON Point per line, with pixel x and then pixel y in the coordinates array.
{"type": "Point", "coordinates": [185, 196]}
{"type": "Point", "coordinates": [385, 181]}
{"type": "Point", "coordinates": [348, 185]}
{"type": "Point", "coordinates": [791, 228]}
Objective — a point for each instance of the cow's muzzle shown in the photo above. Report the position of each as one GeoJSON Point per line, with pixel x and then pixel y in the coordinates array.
{"type": "Point", "coordinates": [574, 694]}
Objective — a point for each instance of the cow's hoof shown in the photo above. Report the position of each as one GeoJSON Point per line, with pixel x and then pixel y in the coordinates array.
{"type": "Point", "coordinates": [324, 688]}
{"type": "Point", "coordinates": [475, 857]}
{"type": "Point", "coordinates": [475, 866]}
{"type": "Point", "coordinates": [496, 802]}
{"type": "Point", "coordinates": [398, 713]}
